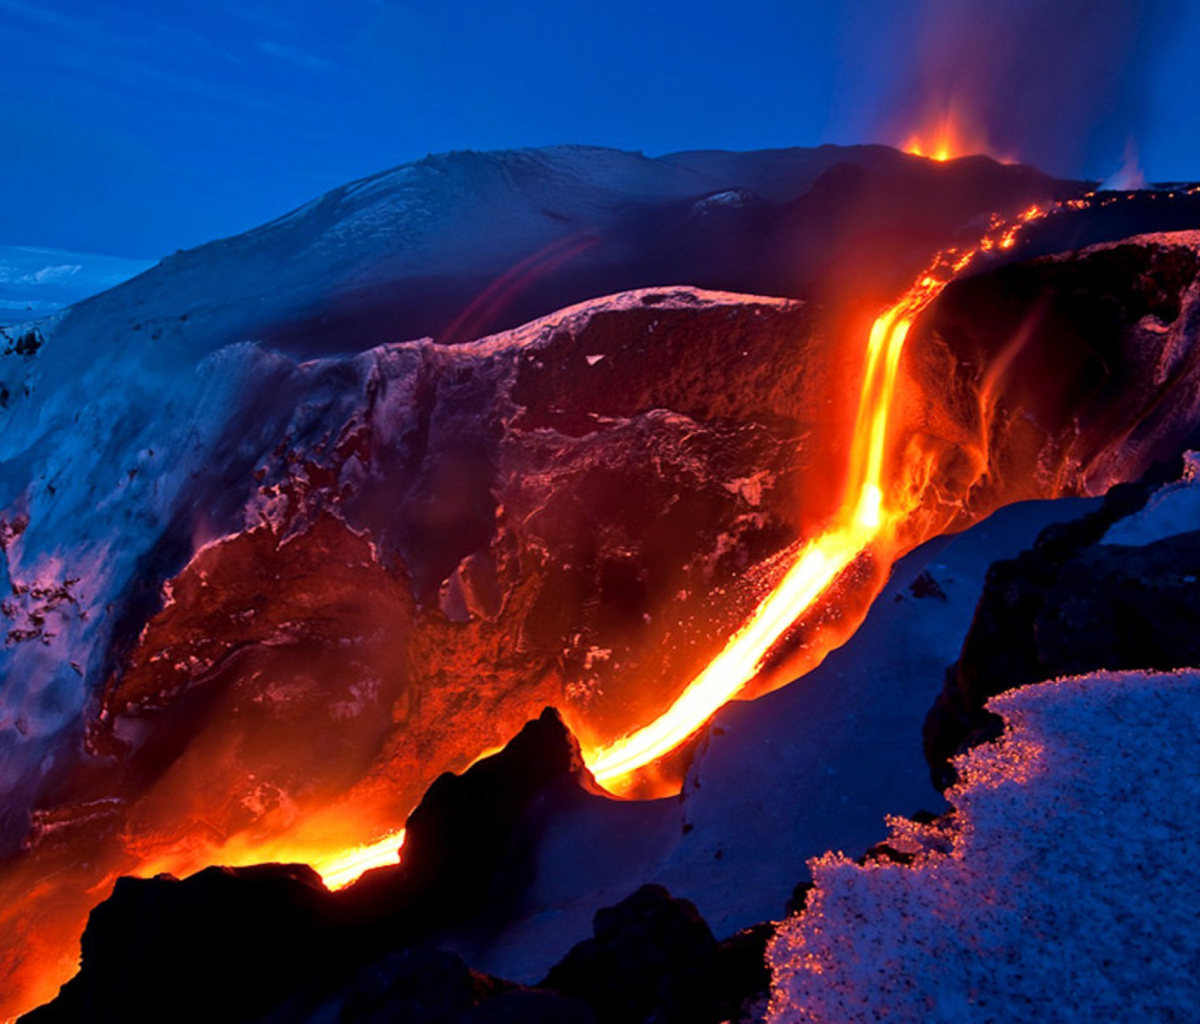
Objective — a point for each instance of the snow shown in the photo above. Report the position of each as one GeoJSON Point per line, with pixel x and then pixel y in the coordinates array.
{"type": "Point", "coordinates": [1062, 890]}
{"type": "Point", "coordinates": [1173, 509]}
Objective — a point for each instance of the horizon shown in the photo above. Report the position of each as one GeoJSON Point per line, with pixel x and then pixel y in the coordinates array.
{"type": "Point", "coordinates": [135, 130]}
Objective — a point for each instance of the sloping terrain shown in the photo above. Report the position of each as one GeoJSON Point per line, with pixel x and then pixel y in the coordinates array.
{"type": "Point", "coordinates": [261, 593]}
{"type": "Point", "coordinates": [36, 282]}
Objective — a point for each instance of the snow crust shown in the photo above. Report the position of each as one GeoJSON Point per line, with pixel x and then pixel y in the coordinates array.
{"type": "Point", "coordinates": [780, 779]}
{"type": "Point", "coordinates": [1062, 889]}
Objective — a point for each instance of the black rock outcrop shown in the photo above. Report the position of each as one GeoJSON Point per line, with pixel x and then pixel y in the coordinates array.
{"type": "Point", "coordinates": [416, 986]}
{"type": "Point", "coordinates": [466, 854]}
{"type": "Point", "coordinates": [271, 943]}
{"type": "Point", "coordinates": [225, 944]}
{"type": "Point", "coordinates": [652, 958]}
{"type": "Point", "coordinates": [234, 943]}
{"type": "Point", "coordinates": [1068, 606]}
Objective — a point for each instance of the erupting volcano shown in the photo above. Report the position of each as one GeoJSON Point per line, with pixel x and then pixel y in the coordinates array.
{"type": "Point", "coordinates": [944, 138]}
{"type": "Point", "coordinates": [303, 529]}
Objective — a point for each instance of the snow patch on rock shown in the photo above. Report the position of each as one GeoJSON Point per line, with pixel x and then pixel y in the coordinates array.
{"type": "Point", "coordinates": [1174, 509]}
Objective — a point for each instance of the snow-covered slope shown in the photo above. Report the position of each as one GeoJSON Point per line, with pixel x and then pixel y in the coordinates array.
{"type": "Point", "coordinates": [1061, 890]}
{"type": "Point", "coordinates": [35, 282]}
{"type": "Point", "coordinates": [463, 244]}
{"type": "Point", "coordinates": [1059, 887]}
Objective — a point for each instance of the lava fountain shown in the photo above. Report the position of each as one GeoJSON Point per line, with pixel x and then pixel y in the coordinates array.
{"type": "Point", "coordinates": [945, 135]}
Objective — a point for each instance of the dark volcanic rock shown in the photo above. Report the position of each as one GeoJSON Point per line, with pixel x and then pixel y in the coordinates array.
{"type": "Point", "coordinates": [530, 1006]}
{"type": "Point", "coordinates": [652, 959]}
{"type": "Point", "coordinates": [1069, 373]}
{"type": "Point", "coordinates": [234, 943]}
{"type": "Point", "coordinates": [225, 944]}
{"type": "Point", "coordinates": [1070, 606]}
{"type": "Point", "coordinates": [272, 944]}
{"type": "Point", "coordinates": [416, 986]}
{"type": "Point", "coordinates": [744, 977]}
{"type": "Point", "coordinates": [465, 852]}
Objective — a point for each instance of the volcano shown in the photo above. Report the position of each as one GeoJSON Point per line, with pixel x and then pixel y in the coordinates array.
{"type": "Point", "coordinates": [302, 530]}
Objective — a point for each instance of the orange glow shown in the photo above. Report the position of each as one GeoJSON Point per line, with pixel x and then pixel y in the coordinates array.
{"type": "Point", "coordinates": [945, 135]}
{"type": "Point", "coordinates": [336, 863]}
{"type": "Point", "coordinates": [817, 566]}
{"type": "Point", "coordinates": [872, 511]}
{"type": "Point", "coordinates": [941, 150]}
{"type": "Point", "coordinates": [881, 493]}
{"type": "Point", "coordinates": [338, 870]}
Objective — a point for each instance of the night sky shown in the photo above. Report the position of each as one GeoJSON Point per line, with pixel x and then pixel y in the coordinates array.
{"type": "Point", "coordinates": [137, 128]}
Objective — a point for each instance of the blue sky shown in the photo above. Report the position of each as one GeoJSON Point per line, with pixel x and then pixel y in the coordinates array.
{"type": "Point", "coordinates": [137, 127]}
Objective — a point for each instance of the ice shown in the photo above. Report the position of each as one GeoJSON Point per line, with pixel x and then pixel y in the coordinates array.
{"type": "Point", "coordinates": [1172, 510]}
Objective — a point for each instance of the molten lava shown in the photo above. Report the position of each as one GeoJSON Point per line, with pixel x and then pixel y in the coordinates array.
{"type": "Point", "coordinates": [946, 135]}
{"type": "Point", "coordinates": [875, 506]}
{"type": "Point", "coordinates": [873, 509]}
{"type": "Point", "coordinates": [881, 492]}
{"type": "Point", "coordinates": [340, 869]}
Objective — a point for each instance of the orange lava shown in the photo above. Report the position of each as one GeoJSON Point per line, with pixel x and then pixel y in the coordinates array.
{"type": "Point", "coordinates": [876, 505]}
{"type": "Point", "coordinates": [880, 495]}
{"type": "Point", "coordinates": [945, 135]}
{"type": "Point", "coordinates": [339, 869]}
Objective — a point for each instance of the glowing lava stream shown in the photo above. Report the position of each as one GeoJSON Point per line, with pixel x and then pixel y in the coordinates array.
{"type": "Point", "coordinates": [339, 870]}
{"type": "Point", "coordinates": [819, 563]}
{"type": "Point", "coordinates": [867, 515]}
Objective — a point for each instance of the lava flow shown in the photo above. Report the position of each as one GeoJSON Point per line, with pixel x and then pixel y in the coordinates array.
{"type": "Point", "coordinates": [872, 511]}
{"type": "Point", "coordinates": [875, 521]}
{"type": "Point", "coordinates": [340, 869]}
{"type": "Point", "coordinates": [875, 506]}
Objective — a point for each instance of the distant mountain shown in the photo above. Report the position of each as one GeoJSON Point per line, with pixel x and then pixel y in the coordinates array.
{"type": "Point", "coordinates": [460, 245]}
{"type": "Point", "coordinates": [36, 281]}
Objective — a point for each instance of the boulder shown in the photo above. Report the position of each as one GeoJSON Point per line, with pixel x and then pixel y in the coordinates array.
{"type": "Point", "coordinates": [1071, 605]}
{"type": "Point", "coordinates": [652, 958]}
{"type": "Point", "coordinates": [225, 944]}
